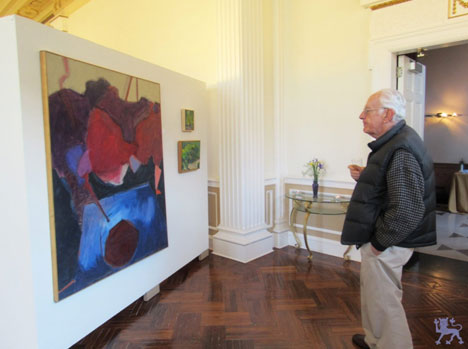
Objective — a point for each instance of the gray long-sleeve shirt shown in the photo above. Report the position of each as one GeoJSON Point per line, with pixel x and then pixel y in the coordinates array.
{"type": "Point", "coordinates": [405, 209]}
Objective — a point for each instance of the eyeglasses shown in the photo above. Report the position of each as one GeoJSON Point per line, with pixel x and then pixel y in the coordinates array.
{"type": "Point", "coordinates": [367, 111]}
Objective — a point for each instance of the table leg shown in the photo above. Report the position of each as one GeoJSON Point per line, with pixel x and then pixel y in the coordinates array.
{"type": "Point", "coordinates": [292, 222]}
{"type": "Point", "coordinates": [345, 255]}
{"type": "Point", "coordinates": [306, 218]}
{"type": "Point", "coordinates": [452, 202]}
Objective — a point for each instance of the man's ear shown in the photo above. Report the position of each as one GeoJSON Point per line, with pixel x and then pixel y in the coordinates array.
{"type": "Point", "coordinates": [389, 115]}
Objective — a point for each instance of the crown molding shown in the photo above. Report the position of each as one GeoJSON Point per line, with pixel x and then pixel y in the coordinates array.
{"type": "Point", "coordinates": [42, 11]}
{"type": "Point", "coordinates": [378, 4]}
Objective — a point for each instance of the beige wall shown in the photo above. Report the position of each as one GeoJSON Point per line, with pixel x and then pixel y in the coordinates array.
{"type": "Point", "coordinates": [326, 50]}
{"type": "Point", "coordinates": [179, 35]}
{"type": "Point", "coordinates": [325, 77]}
{"type": "Point", "coordinates": [325, 67]}
{"type": "Point", "coordinates": [326, 83]}
{"type": "Point", "coordinates": [170, 34]}
{"type": "Point", "coordinates": [325, 63]}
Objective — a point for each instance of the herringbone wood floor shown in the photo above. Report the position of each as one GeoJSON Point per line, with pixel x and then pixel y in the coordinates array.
{"type": "Point", "coordinates": [277, 301]}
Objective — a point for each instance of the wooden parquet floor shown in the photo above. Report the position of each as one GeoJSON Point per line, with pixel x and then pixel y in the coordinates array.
{"type": "Point", "coordinates": [277, 301]}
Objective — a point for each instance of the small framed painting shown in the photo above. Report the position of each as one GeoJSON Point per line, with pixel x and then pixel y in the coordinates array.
{"type": "Point", "coordinates": [188, 120]}
{"type": "Point", "coordinates": [189, 156]}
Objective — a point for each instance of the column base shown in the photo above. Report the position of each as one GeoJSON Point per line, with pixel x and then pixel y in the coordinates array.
{"type": "Point", "coordinates": [280, 234]}
{"type": "Point", "coordinates": [242, 246]}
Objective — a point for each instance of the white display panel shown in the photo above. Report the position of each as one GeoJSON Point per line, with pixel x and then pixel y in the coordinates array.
{"type": "Point", "coordinates": [26, 260]}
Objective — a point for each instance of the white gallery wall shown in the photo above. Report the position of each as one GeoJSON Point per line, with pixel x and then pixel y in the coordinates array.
{"type": "Point", "coordinates": [27, 288]}
{"type": "Point", "coordinates": [17, 295]}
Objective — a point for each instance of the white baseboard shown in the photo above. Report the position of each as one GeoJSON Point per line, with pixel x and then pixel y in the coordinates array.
{"type": "Point", "coordinates": [280, 239]}
{"type": "Point", "coordinates": [326, 246]}
{"type": "Point", "coordinates": [242, 247]}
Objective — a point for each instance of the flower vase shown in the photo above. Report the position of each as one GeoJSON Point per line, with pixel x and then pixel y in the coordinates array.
{"type": "Point", "coordinates": [315, 187]}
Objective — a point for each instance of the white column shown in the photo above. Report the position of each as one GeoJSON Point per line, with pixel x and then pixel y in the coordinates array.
{"type": "Point", "coordinates": [242, 233]}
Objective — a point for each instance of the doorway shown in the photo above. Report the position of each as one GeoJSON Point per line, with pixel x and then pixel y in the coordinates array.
{"type": "Point", "coordinates": [445, 129]}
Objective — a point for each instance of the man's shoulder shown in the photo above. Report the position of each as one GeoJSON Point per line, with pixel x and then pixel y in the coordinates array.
{"type": "Point", "coordinates": [404, 158]}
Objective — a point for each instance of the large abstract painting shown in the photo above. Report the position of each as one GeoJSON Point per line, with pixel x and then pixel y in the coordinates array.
{"type": "Point", "coordinates": [105, 170]}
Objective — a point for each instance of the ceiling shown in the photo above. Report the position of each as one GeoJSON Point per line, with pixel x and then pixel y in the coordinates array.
{"type": "Point", "coordinates": [43, 11]}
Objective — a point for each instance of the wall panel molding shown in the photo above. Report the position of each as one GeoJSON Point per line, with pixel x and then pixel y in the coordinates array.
{"type": "Point", "coordinates": [214, 207]}
{"type": "Point", "coordinates": [323, 183]}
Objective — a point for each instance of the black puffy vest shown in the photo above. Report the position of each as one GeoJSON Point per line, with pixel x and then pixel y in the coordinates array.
{"type": "Point", "coordinates": [369, 198]}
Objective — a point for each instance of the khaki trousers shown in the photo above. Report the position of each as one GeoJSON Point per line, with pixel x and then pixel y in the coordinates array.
{"type": "Point", "coordinates": [383, 317]}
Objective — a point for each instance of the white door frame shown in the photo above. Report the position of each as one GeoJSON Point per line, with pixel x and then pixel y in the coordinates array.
{"type": "Point", "coordinates": [383, 52]}
{"type": "Point", "coordinates": [412, 85]}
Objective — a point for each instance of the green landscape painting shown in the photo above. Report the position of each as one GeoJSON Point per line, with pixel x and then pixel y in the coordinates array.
{"type": "Point", "coordinates": [189, 156]}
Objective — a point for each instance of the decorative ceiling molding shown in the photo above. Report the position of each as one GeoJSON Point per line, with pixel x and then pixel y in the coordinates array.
{"type": "Point", "coordinates": [458, 8]}
{"type": "Point", "coordinates": [378, 4]}
{"type": "Point", "coordinates": [43, 11]}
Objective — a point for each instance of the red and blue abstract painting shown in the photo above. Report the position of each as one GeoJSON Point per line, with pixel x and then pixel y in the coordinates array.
{"type": "Point", "coordinates": [105, 170]}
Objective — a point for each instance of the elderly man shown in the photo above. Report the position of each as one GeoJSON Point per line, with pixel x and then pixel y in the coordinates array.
{"type": "Point", "coordinates": [392, 210]}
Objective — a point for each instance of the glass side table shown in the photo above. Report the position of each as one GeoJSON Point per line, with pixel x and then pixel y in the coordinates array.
{"type": "Point", "coordinates": [322, 205]}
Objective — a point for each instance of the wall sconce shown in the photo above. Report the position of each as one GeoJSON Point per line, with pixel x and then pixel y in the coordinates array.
{"type": "Point", "coordinates": [442, 115]}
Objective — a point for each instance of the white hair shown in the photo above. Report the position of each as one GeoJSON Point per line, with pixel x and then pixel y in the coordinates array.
{"type": "Point", "coordinates": [393, 99]}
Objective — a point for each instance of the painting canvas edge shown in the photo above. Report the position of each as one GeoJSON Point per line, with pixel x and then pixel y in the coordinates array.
{"type": "Point", "coordinates": [46, 119]}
